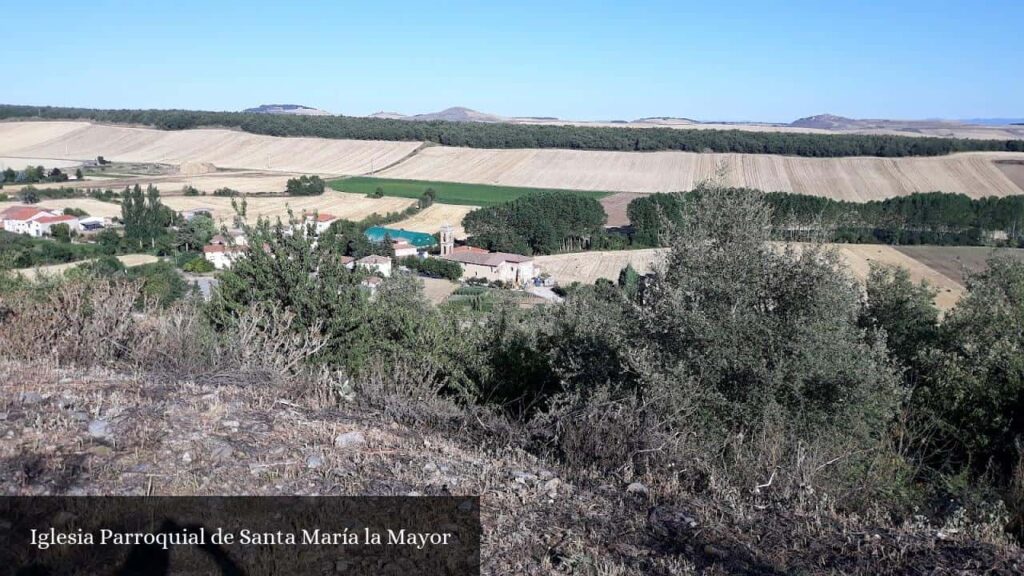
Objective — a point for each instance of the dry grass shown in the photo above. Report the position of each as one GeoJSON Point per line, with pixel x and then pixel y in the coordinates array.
{"type": "Point", "coordinates": [128, 260]}
{"type": "Point", "coordinates": [856, 179]}
{"type": "Point", "coordinates": [587, 267]}
{"type": "Point", "coordinates": [222, 148]}
{"type": "Point", "coordinates": [245, 181]}
{"type": "Point", "coordinates": [437, 290]}
{"type": "Point", "coordinates": [92, 206]}
{"type": "Point", "coordinates": [349, 206]}
{"type": "Point", "coordinates": [22, 163]}
{"type": "Point", "coordinates": [431, 219]}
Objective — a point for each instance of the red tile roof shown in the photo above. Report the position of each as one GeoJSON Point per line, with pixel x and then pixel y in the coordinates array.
{"type": "Point", "coordinates": [347, 259]}
{"type": "Point", "coordinates": [212, 248]}
{"type": "Point", "coordinates": [472, 249]}
{"type": "Point", "coordinates": [55, 219]}
{"type": "Point", "coordinates": [491, 259]}
{"type": "Point", "coordinates": [22, 213]}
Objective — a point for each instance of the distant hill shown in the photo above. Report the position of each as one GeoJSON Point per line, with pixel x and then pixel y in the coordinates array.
{"type": "Point", "coordinates": [292, 109]}
{"type": "Point", "coordinates": [455, 114]}
{"type": "Point", "coordinates": [927, 126]}
{"type": "Point", "coordinates": [671, 120]}
{"type": "Point", "coordinates": [829, 122]}
{"type": "Point", "coordinates": [388, 115]}
{"type": "Point", "coordinates": [995, 121]}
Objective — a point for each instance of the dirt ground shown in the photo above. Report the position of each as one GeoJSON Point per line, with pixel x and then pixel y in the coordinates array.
{"type": "Point", "coordinates": [438, 290]}
{"type": "Point", "coordinates": [955, 262]}
{"type": "Point", "coordinates": [615, 207]}
{"type": "Point", "coordinates": [1014, 170]}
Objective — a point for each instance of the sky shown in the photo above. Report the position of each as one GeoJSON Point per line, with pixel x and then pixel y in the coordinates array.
{"type": "Point", "coordinates": [587, 60]}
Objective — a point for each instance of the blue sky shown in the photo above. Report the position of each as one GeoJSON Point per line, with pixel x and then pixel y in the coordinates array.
{"type": "Point", "coordinates": [758, 60]}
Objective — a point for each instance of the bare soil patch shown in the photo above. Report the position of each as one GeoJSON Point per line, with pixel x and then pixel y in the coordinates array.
{"type": "Point", "coordinates": [615, 207]}
{"type": "Point", "coordinates": [956, 262]}
{"type": "Point", "coordinates": [1014, 170]}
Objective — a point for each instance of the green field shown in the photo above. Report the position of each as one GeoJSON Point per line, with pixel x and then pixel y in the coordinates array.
{"type": "Point", "coordinates": [447, 192]}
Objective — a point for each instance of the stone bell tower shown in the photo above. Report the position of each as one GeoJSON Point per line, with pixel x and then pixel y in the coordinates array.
{"type": "Point", "coordinates": [447, 239]}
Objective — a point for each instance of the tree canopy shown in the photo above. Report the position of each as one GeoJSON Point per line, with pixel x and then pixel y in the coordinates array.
{"type": "Point", "coordinates": [502, 135]}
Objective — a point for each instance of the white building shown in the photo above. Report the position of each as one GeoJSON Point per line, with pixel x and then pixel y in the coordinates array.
{"type": "Point", "coordinates": [221, 255]}
{"type": "Point", "coordinates": [321, 221]}
{"type": "Point", "coordinates": [403, 248]}
{"type": "Point", "coordinates": [378, 264]}
{"type": "Point", "coordinates": [34, 221]}
{"type": "Point", "coordinates": [491, 266]}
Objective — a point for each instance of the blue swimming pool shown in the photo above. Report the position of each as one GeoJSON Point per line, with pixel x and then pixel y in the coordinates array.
{"type": "Point", "coordinates": [418, 239]}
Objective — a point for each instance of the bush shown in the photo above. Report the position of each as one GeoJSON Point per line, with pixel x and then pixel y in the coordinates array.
{"type": "Point", "coordinates": [225, 191]}
{"type": "Point", "coordinates": [305, 186]}
{"type": "Point", "coordinates": [433, 267]}
{"type": "Point", "coordinates": [198, 265]}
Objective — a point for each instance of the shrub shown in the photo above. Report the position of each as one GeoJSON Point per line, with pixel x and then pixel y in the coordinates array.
{"type": "Point", "coordinates": [433, 267]}
{"type": "Point", "coordinates": [305, 186]}
{"type": "Point", "coordinates": [198, 265]}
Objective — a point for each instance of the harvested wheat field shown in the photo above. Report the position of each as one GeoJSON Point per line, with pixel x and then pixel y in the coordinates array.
{"type": "Point", "coordinates": [244, 181]}
{"type": "Point", "coordinates": [855, 178]}
{"type": "Point", "coordinates": [348, 206]}
{"type": "Point", "coordinates": [431, 219]}
{"type": "Point", "coordinates": [859, 257]}
{"type": "Point", "coordinates": [22, 163]}
{"type": "Point", "coordinates": [587, 267]}
{"type": "Point", "coordinates": [92, 206]}
{"type": "Point", "coordinates": [221, 148]}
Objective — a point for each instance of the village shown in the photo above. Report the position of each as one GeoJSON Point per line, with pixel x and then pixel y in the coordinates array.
{"type": "Point", "coordinates": [475, 265]}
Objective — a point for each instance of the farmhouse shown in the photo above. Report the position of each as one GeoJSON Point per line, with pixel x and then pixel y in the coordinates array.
{"type": "Point", "coordinates": [491, 266]}
{"type": "Point", "coordinates": [221, 255]}
{"type": "Point", "coordinates": [321, 221]}
{"type": "Point", "coordinates": [374, 263]}
{"type": "Point", "coordinates": [34, 221]}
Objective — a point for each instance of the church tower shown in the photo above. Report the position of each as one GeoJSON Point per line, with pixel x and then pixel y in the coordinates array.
{"type": "Point", "coordinates": [447, 239]}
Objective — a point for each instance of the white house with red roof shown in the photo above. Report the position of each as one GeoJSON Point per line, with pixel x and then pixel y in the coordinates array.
{"type": "Point", "coordinates": [34, 221]}
{"type": "Point", "coordinates": [321, 221]}
{"type": "Point", "coordinates": [222, 255]}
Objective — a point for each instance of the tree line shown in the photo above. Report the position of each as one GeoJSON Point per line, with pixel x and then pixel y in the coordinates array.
{"type": "Point", "coordinates": [538, 223]}
{"type": "Point", "coordinates": [499, 135]}
{"type": "Point", "coordinates": [921, 218]}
